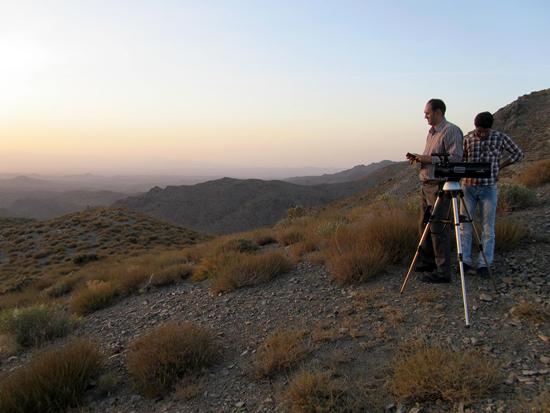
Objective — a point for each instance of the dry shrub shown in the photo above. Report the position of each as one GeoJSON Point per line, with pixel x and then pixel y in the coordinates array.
{"type": "Point", "coordinates": [238, 270]}
{"type": "Point", "coordinates": [536, 175]}
{"type": "Point", "coordinates": [317, 392]}
{"type": "Point", "coordinates": [173, 274]}
{"type": "Point", "coordinates": [427, 296]}
{"type": "Point", "coordinates": [280, 351]}
{"type": "Point", "coordinates": [187, 388]}
{"type": "Point", "coordinates": [424, 372]}
{"type": "Point", "coordinates": [8, 346]}
{"type": "Point", "coordinates": [325, 332]}
{"type": "Point", "coordinates": [350, 261]}
{"type": "Point", "coordinates": [530, 310]}
{"type": "Point", "coordinates": [37, 324]}
{"type": "Point", "coordinates": [290, 235]}
{"type": "Point", "coordinates": [169, 353]}
{"type": "Point", "coordinates": [316, 258]}
{"type": "Point", "coordinates": [298, 250]}
{"type": "Point", "coordinates": [93, 296]}
{"type": "Point", "coordinates": [132, 278]}
{"type": "Point", "coordinates": [509, 233]}
{"type": "Point", "coordinates": [263, 236]}
{"type": "Point", "coordinates": [23, 299]}
{"type": "Point", "coordinates": [53, 380]}
{"type": "Point", "coordinates": [358, 252]}
{"type": "Point", "coordinates": [395, 315]}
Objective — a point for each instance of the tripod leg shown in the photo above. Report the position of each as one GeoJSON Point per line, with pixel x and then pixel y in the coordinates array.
{"type": "Point", "coordinates": [478, 241]}
{"type": "Point", "coordinates": [419, 246]}
{"type": "Point", "coordinates": [460, 263]}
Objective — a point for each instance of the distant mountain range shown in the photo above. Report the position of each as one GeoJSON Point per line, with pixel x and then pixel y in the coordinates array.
{"type": "Point", "coordinates": [229, 205]}
{"type": "Point", "coordinates": [45, 197]}
{"type": "Point", "coordinates": [345, 176]}
{"type": "Point", "coordinates": [234, 205]}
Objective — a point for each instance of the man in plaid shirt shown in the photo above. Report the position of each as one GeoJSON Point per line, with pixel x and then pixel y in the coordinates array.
{"type": "Point", "coordinates": [484, 145]}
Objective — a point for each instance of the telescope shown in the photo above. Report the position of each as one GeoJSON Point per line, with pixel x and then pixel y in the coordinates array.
{"type": "Point", "coordinates": [455, 171]}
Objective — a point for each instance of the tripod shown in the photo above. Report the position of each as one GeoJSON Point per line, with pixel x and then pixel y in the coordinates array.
{"type": "Point", "coordinates": [452, 189]}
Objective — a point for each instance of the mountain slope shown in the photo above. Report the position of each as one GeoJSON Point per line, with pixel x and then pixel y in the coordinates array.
{"type": "Point", "coordinates": [348, 175]}
{"type": "Point", "coordinates": [232, 205]}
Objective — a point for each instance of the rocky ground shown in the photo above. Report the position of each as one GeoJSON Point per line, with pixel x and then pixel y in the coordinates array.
{"type": "Point", "coordinates": [353, 330]}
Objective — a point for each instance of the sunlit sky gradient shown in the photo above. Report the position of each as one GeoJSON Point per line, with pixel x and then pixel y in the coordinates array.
{"type": "Point", "coordinates": [257, 83]}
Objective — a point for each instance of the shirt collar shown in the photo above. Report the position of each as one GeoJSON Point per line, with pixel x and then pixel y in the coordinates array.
{"type": "Point", "coordinates": [433, 130]}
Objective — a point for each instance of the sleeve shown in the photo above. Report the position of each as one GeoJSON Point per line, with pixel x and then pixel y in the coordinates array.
{"type": "Point", "coordinates": [516, 154]}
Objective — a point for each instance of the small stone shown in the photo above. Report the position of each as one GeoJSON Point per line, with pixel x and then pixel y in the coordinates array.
{"type": "Point", "coordinates": [486, 297]}
{"type": "Point", "coordinates": [545, 360]}
{"type": "Point", "coordinates": [239, 404]}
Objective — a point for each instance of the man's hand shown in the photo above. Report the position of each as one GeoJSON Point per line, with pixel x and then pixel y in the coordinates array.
{"type": "Point", "coordinates": [424, 159]}
{"type": "Point", "coordinates": [411, 157]}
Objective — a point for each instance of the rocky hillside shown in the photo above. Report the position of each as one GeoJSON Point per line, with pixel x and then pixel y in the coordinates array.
{"type": "Point", "coordinates": [29, 248]}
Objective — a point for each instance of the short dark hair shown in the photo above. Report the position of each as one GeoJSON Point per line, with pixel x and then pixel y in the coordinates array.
{"type": "Point", "coordinates": [484, 120]}
{"type": "Point", "coordinates": [437, 104]}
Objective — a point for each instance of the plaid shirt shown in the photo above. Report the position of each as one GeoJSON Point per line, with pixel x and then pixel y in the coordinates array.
{"type": "Point", "coordinates": [489, 149]}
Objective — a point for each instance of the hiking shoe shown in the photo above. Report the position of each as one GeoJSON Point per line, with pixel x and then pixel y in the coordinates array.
{"type": "Point", "coordinates": [435, 278]}
{"type": "Point", "coordinates": [466, 268]}
{"type": "Point", "coordinates": [424, 268]}
{"type": "Point", "coordinates": [483, 272]}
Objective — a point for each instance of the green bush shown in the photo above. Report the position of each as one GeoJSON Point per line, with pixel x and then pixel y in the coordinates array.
{"type": "Point", "coordinates": [36, 325]}
{"type": "Point", "coordinates": [170, 352]}
{"type": "Point", "coordinates": [52, 380]}
{"type": "Point", "coordinates": [514, 196]}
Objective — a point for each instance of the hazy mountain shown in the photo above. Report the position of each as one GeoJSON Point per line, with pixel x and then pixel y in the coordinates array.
{"type": "Point", "coordinates": [50, 204]}
{"type": "Point", "coordinates": [233, 205]}
{"type": "Point", "coordinates": [344, 176]}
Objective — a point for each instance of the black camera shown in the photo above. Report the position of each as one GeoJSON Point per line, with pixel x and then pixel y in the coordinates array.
{"type": "Point", "coordinates": [457, 170]}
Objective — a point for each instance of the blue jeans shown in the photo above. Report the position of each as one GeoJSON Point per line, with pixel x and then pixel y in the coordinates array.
{"type": "Point", "coordinates": [486, 197]}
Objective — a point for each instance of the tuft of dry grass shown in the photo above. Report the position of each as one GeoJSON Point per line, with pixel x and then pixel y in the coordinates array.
{"type": "Point", "coordinates": [424, 372]}
{"type": "Point", "coordinates": [427, 297]}
{"type": "Point", "coordinates": [318, 392]}
{"type": "Point", "coordinates": [168, 353]}
{"type": "Point", "coordinates": [530, 310]}
{"type": "Point", "coordinates": [52, 380]}
{"type": "Point", "coordinates": [35, 325]}
{"type": "Point", "coordinates": [92, 296]}
{"type": "Point", "coordinates": [509, 233]}
{"type": "Point", "coordinates": [535, 175]}
{"type": "Point", "coordinates": [187, 388]}
{"type": "Point", "coordinates": [540, 403]}
{"type": "Point", "coordinates": [280, 351]}
{"type": "Point", "coordinates": [237, 270]}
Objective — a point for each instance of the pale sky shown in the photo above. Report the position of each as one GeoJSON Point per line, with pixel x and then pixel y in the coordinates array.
{"type": "Point", "coordinates": [256, 83]}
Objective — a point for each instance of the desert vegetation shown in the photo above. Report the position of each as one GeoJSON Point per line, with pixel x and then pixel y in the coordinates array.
{"type": "Point", "coordinates": [50, 282]}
